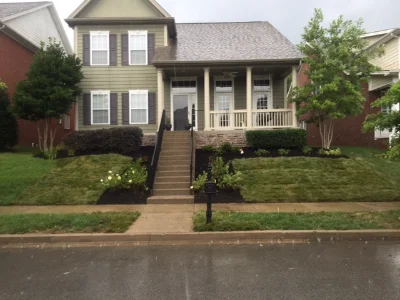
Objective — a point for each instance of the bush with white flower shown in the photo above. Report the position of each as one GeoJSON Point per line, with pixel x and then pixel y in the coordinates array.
{"type": "Point", "coordinates": [133, 178]}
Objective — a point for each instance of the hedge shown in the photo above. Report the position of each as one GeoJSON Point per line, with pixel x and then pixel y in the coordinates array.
{"type": "Point", "coordinates": [115, 140]}
{"type": "Point", "coordinates": [276, 139]}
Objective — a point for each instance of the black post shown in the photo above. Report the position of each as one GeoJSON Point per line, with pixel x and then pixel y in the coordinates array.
{"type": "Point", "coordinates": [209, 203]}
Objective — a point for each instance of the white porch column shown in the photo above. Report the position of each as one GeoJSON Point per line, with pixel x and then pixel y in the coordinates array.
{"type": "Point", "coordinates": [160, 95]}
{"type": "Point", "coordinates": [207, 99]}
{"type": "Point", "coordinates": [294, 84]}
{"type": "Point", "coordinates": [249, 98]}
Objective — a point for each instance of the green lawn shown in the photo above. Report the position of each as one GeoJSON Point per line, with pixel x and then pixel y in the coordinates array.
{"type": "Point", "coordinates": [225, 221]}
{"type": "Point", "coordinates": [25, 180]}
{"type": "Point", "coordinates": [66, 223]}
{"type": "Point", "coordinates": [363, 177]}
{"type": "Point", "coordinates": [18, 171]}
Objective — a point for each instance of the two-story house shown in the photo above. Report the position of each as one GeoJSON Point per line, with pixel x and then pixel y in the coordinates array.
{"type": "Point", "coordinates": [348, 132]}
{"type": "Point", "coordinates": [138, 62]}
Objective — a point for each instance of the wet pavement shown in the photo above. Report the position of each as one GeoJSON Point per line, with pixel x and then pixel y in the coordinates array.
{"type": "Point", "coordinates": [281, 271]}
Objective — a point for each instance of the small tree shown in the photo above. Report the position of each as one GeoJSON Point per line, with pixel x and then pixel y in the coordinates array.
{"type": "Point", "coordinates": [338, 65]}
{"type": "Point", "coordinates": [49, 91]}
{"type": "Point", "coordinates": [8, 122]}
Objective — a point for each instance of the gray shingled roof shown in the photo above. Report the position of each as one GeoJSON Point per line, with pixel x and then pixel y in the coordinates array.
{"type": "Point", "coordinates": [9, 9]}
{"type": "Point", "coordinates": [227, 42]}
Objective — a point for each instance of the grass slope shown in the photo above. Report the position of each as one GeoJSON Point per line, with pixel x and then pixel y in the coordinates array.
{"type": "Point", "coordinates": [66, 223]}
{"type": "Point", "coordinates": [364, 177]}
{"type": "Point", "coordinates": [225, 221]}
{"type": "Point", "coordinates": [18, 171]}
{"type": "Point", "coordinates": [73, 181]}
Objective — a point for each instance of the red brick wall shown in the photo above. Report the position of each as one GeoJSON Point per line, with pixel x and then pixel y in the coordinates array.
{"type": "Point", "coordinates": [348, 131]}
{"type": "Point", "coordinates": [15, 61]}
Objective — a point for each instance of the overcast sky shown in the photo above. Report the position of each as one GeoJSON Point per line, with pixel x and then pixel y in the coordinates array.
{"type": "Point", "coordinates": [288, 16]}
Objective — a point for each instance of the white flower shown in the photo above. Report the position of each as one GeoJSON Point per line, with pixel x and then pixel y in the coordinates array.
{"type": "Point", "coordinates": [130, 181]}
{"type": "Point", "coordinates": [241, 151]}
{"type": "Point", "coordinates": [133, 172]}
{"type": "Point", "coordinates": [109, 178]}
{"type": "Point", "coordinates": [191, 187]}
{"type": "Point", "coordinates": [109, 172]}
{"type": "Point", "coordinates": [119, 177]}
{"type": "Point", "coordinates": [101, 180]}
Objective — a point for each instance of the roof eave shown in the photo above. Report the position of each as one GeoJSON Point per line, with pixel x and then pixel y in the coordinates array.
{"type": "Point", "coordinates": [25, 12]}
{"type": "Point", "coordinates": [17, 37]}
{"type": "Point", "coordinates": [60, 29]}
{"type": "Point", "coordinates": [386, 38]}
{"type": "Point", "coordinates": [229, 62]}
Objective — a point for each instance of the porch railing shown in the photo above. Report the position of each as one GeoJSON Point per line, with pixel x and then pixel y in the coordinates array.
{"type": "Point", "coordinates": [156, 155]}
{"type": "Point", "coordinates": [237, 119]}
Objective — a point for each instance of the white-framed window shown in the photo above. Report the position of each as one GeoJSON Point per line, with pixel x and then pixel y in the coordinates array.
{"type": "Point", "coordinates": [262, 83]}
{"type": "Point", "coordinates": [138, 48]}
{"type": "Point", "coordinates": [99, 48]}
{"type": "Point", "coordinates": [262, 101]}
{"type": "Point", "coordinates": [100, 107]}
{"type": "Point", "coordinates": [139, 107]}
{"type": "Point", "coordinates": [223, 85]}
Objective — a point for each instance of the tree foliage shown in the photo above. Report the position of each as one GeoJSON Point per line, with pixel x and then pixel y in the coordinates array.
{"type": "Point", "coordinates": [50, 89]}
{"type": "Point", "coordinates": [337, 66]}
{"type": "Point", "coordinates": [382, 120]}
{"type": "Point", "coordinates": [8, 122]}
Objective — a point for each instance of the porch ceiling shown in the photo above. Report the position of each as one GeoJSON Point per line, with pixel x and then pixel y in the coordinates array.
{"type": "Point", "coordinates": [188, 71]}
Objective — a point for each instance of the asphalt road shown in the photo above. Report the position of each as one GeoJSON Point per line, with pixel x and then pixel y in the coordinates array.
{"type": "Point", "coordinates": [316, 271]}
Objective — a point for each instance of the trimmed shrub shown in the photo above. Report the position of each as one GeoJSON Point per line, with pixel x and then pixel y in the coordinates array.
{"type": "Point", "coordinates": [275, 139]}
{"type": "Point", "coordinates": [115, 140]}
{"type": "Point", "coordinates": [8, 122]}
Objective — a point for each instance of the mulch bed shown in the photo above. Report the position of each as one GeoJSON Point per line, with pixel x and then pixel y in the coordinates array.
{"type": "Point", "coordinates": [123, 197]}
{"type": "Point", "coordinates": [221, 197]}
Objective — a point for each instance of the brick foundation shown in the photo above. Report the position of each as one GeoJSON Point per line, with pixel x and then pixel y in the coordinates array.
{"type": "Point", "coordinates": [149, 140]}
{"type": "Point", "coordinates": [216, 138]}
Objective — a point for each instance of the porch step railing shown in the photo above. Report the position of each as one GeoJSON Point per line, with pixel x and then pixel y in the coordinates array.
{"type": "Point", "coordinates": [237, 119]}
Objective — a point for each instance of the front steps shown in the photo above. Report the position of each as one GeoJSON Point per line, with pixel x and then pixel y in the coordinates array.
{"type": "Point", "coordinates": [172, 182]}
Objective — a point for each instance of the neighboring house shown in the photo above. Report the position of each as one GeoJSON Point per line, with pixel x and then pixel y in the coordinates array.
{"type": "Point", "coordinates": [348, 132]}
{"type": "Point", "coordinates": [22, 27]}
{"type": "Point", "coordinates": [138, 62]}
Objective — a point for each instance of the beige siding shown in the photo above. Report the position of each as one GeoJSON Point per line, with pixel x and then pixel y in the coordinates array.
{"type": "Point", "coordinates": [121, 9]}
{"type": "Point", "coordinates": [118, 79]}
{"type": "Point", "coordinates": [372, 39]}
{"type": "Point", "coordinates": [390, 59]}
{"type": "Point", "coordinates": [379, 81]}
{"type": "Point", "coordinates": [240, 93]}
{"type": "Point", "coordinates": [200, 103]}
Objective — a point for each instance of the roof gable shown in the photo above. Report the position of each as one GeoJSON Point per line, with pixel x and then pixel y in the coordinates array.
{"type": "Point", "coordinates": [124, 9]}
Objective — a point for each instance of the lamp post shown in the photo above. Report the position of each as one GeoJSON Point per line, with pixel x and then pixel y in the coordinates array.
{"type": "Point", "coordinates": [210, 189]}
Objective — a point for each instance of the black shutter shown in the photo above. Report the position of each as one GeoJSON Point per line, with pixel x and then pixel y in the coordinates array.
{"type": "Point", "coordinates": [152, 108]}
{"type": "Point", "coordinates": [87, 109]}
{"type": "Point", "coordinates": [86, 49]}
{"type": "Point", "coordinates": [125, 109]}
{"type": "Point", "coordinates": [151, 47]}
{"type": "Point", "coordinates": [114, 108]}
{"type": "Point", "coordinates": [125, 49]}
{"type": "Point", "coordinates": [113, 49]}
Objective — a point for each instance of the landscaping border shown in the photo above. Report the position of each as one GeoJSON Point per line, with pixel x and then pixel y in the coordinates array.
{"type": "Point", "coordinates": [239, 237]}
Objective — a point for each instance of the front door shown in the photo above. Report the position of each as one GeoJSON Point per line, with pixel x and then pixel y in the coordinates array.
{"type": "Point", "coordinates": [181, 112]}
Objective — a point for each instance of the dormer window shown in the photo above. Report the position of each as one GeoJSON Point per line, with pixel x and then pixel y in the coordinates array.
{"type": "Point", "coordinates": [100, 48]}
{"type": "Point", "coordinates": [138, 48]}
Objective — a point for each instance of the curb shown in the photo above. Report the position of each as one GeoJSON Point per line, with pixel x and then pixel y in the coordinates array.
{"type": "Point", "coordinates": [238, 237]}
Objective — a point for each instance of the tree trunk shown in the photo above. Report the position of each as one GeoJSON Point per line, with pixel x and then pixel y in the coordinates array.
{"type": "Point", "coordinates": [326, 131]}
{"type": "Point", "coordinates": [52, 136]}
{"type": "Point", "coordinates": [40, 137]}
{"type": "Point", "coordinates": [46, 136]}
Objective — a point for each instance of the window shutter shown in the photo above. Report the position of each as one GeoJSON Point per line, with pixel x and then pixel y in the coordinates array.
{"type": "Point", "coordinates": [87, 109]}
{"type": "Point", "coordinates": [114, 108]}
{"type": "Point", "coordinates": [113, 49]}
{"type": "Point", "coordinates": [151, 47]}
{"type": "Point", "coordinates": [125, 109]}
{"type": "Point", "coordinates": [86, 49]}
{"type": "Point", "coordinates": [125, 49]}
{"type": "Point", "coordinates": [152, 108]}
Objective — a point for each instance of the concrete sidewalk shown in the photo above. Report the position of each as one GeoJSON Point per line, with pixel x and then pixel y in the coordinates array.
{"type": "Point", "coordinates": [191, 208]}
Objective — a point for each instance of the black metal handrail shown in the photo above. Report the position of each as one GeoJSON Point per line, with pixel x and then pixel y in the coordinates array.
{"type": "Point", "coordinates": [192, 142]}
{"type": "Point", "coordinates": [157, 150]}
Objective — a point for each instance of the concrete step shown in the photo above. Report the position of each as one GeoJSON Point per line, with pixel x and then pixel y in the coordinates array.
{"type": "Point", "coordinates": [171, 192]}
{"type": "Point", "coordinates": [167, 179]}
{"type": "Point", "coordinates": [174, 158]}
{"type": "Point", "coordinates": [170, 200]}
{"type": "Point", "coordinates": [164, 163]}
{"type": "Point", "coordinates": [174, 168]}
{"type": "Point", "coordinates": [175, 147]}
{"type": "Point", "coordinates": [173, 173]}
{"type": "Point", "coordinates": [173, 152]}
{"type": "Point", "coordinates": [177, 133]}
{"type": "Point", "coordinates": [172, 185]}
